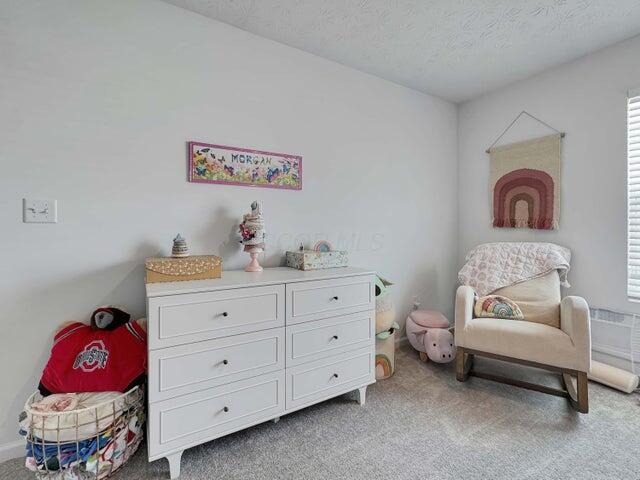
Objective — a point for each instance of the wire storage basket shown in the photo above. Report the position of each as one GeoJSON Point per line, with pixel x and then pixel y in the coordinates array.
{"type": "Point", "coordinates": [82, 436]}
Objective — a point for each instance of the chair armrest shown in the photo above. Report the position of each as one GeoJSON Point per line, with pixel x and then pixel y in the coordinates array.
{"type": "Point", "coordinates": [575, 322]}
{"type": "Point", "coordinates": [465, 297]}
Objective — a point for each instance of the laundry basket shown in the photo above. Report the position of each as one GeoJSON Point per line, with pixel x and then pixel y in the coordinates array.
{"type": "Point", "coordinates": [82, 436]}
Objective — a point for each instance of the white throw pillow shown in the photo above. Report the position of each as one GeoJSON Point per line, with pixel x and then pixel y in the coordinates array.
{"type": "Point", "coordinates": [538, 299]}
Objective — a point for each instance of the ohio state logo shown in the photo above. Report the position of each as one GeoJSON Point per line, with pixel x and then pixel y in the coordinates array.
{"type": "Point", "coordinates": [94, 356]}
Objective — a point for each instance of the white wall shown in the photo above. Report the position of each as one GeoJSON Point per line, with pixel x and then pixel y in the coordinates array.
{"type": "Point", "coordinates": [98, 99]}
{"type": "Point", "coordinates": [586, 99]}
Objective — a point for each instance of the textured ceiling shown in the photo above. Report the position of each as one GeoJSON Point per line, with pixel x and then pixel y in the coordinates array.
{"type": "Point", "coordinates": [456, 49]}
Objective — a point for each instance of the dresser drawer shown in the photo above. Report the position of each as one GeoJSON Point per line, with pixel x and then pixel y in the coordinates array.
{"type": "Point", "coordinates": [188, 420]}
{"type": "Point", "coordinates": [180, 319]}
{"type": "Point", "coordinates": [315, 340]}
{"type": "Point", "coordinates": [313, 300]}
{"type": "Point", "coordinates": [316, 381]}
{"type": "Point", "coordinates": [184, 369]}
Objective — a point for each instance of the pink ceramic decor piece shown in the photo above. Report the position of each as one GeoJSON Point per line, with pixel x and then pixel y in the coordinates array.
{"type": "Point", "coordinates": [253, 265]}
{"type": "Point", "coordinates": [252, 233]}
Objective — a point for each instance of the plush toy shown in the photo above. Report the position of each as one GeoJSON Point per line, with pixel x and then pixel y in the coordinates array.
{"type": "Point", "coordinates": [386, 327]}
{"type": "Point", "coordinates": [428, 332]}
{"type": "Point", "coordinates": [108, 318]}
{"type": "Point", "coordinates": [385, 310]}
{"type": "Point", "coordinates": [110, 354]}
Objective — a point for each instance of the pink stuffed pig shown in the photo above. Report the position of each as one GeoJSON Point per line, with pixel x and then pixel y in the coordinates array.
{"type": "Point", "coordinates": [428, 332]}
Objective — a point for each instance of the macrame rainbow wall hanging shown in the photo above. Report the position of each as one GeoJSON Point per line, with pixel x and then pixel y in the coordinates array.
{"type": "Point", "coordinates": [525, 183]}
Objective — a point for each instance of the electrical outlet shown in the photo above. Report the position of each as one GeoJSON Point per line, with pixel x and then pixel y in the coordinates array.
{"type": "Point", "coordinates": [416, 303]}
{"type": "Point", "coordinates": [39, 211]}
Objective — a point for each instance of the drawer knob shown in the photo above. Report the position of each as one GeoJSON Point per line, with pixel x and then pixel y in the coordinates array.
{"type": "Point", "coordinates": [334, 297]}
{"type": "Point", "coordinates": [335, 375]}
{"type": "Point", "coordinates": [225, 409]}
{"type": "Point", "coordinates": [225, 314]}
{"type": "Point", "coordinates": [225, 362]}
{"type": "Point", "coordinates": [335, 337]}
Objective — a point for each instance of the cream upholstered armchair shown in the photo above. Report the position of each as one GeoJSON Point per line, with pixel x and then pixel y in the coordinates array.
{"type": "Point", "coordinates": [558, 339]}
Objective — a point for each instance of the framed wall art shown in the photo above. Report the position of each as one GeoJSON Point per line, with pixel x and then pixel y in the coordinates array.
{"type": "Point", "coordinates": [221, 164]}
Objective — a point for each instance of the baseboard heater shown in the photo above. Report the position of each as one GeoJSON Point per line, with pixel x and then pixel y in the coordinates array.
{"type": "Point", "coordinates": [616, 337]}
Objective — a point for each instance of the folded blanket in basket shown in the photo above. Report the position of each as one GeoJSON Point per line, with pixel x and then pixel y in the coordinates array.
{"type": "Point", "coordinates": [54, 456]}
{"type": "Point", "coordinates": [113, 455]}
{"type": "Point", "coordinates": [88, 414]}
{"type": "Point", "coordinates": [97, 456]}
{"type": "Point", "coordinates": [81, 435]}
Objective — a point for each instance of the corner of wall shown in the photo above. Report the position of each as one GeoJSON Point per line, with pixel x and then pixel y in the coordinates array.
{"type": "Point", "coordinates": [458, 189]}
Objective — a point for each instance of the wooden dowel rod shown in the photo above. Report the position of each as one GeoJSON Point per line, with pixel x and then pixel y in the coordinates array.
{"type": "Point", "coordinates": [562, 135]}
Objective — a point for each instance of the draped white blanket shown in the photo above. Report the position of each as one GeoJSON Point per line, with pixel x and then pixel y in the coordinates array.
{"type": "Point", "coordinates": [491, 266]}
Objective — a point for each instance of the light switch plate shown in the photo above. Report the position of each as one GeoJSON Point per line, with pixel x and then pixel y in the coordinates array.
{"type": "Point", "coordinates": [39, 211]}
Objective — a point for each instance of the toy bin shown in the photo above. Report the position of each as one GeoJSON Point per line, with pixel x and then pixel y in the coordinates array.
{"type": "Point", "coordinates": [82, 436]}
{"type": "Point", "coordinates": [386, 327]}
{"type": "Point", "coordinates": [385, 354]}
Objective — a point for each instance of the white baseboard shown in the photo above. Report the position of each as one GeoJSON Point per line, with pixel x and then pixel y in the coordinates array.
{"type": "Point", "coordinates": [12, 450]}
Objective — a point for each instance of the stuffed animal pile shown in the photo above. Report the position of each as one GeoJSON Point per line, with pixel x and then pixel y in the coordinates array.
{"type": "Point", "coordinates": [110, 354]}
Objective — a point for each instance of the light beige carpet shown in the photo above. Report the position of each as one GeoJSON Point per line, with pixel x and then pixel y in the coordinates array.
{"type": "Point", "coordinates": [423, 424]}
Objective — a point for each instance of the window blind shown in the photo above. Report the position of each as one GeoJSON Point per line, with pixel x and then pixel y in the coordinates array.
{"type": "Point", "coordinates": [633, 195]}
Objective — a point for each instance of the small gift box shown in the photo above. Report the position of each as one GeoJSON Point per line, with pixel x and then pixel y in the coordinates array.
{"type": "Point", "coordinates": [312, 260]}
{"type": "Point", "coordinates": [169, 269]}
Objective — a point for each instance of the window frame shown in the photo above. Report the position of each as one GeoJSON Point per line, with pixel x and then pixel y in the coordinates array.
{"type": "Point", "coordinates": [632, 143]}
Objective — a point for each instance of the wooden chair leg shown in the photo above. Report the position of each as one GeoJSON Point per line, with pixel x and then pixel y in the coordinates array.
{"type": "Point", "coordinates": [578, 390]}
{"type": "Point", "coordinates": [583, 392]}
{"type": "Point", "coordinates": [464, 362]}
{"type": "Point", "coordinates": [460, 365]}
{"type": "Point", "coordinates": [576, 383]}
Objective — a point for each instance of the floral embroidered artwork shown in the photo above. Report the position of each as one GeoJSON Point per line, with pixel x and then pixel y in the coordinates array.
{"type": "Point", "coordinates": [240, 166]}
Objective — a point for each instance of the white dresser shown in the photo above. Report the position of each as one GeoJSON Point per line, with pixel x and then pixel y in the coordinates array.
{"type": "Point", "coordinates": [229, 353]}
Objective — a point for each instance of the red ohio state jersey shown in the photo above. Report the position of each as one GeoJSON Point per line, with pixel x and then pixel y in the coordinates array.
{"type": "Point", "coordinates": [87, 360]}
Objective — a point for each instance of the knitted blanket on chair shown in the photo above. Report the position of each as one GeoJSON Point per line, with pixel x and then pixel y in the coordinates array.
{"type": "Point", "coordinates": [491, 266]}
